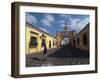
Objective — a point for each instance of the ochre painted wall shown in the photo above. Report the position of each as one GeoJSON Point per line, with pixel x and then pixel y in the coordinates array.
{"type": "Point", "coordinates": [39, 40]}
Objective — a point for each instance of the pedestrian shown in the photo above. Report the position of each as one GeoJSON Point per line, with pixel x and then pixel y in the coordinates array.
{"type": "Point", "coordinates": [45, 52]}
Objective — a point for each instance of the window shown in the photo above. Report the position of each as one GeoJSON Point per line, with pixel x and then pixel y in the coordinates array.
{"type": "Point", "coordinates": [49, 44]}
{"type": "Point", "coordinates": [43, 43]}
{"type": "Point", "coordinates": [78, 41]}
{"type": "Point", "coordinates": [85, 39]}
{"type": "Point", "coordinates": [74, 42]}
{"type": "Point", "coordinates": [53, 43]}
{"type": "Point", "coordinates": [33, 42]}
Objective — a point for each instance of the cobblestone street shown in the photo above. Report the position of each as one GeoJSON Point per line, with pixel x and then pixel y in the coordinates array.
{"type": "Point", "coordinates": [66, 55]}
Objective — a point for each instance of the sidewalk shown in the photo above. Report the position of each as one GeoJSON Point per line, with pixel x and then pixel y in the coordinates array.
{"type": "Point", "coordinates": [36, 59]}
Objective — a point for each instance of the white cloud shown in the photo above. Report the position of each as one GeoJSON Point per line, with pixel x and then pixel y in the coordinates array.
{"type": "Point", "coordinates": [65, 16]}
{"type": "Point", "coordinates": [78, 24]}
{"type": "Point", "coordinates": [73, 23]}
{"type": "Point", "coordinates": [61, 22]}
{"type": "Point", "coordinates": [46, 22]}
{"type": "Point", "coordinates": [62, 25]}
{"type": "Point", "coordinates": [48, 19]}
{"type": "Point", "coordinates": [31, 19]}
{"type": "Point", "coordinates": [44, 29]}
{"type": "Point", "coordinates": [83, 23]}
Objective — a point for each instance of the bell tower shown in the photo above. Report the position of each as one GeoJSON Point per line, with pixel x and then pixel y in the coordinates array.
{"type": "Point", "coordinates": [65, 27]}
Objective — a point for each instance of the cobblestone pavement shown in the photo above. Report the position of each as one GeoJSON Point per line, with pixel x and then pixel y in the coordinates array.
{"type": "Point", "coordinates": [58, 56]}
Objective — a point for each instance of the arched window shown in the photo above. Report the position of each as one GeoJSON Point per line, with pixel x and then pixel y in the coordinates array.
{"type": "Point", "coordinates": [49, 44]}
{"type": "Point", "coordinates": [85, 39]}
{"type": "Point", "coordinates": [43, 43]}
{"type": "Point", "coordinates": [78, 42]}
{"type": "Point", "coordinates": [74, 42]}
{"type": "Point", "coordinates": [53, 43]}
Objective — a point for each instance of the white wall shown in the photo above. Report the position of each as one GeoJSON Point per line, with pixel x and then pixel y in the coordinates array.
{"type": "Point", "coordinates": [5, 40]}
{"type": "Point", "coordinates": [65, 41]}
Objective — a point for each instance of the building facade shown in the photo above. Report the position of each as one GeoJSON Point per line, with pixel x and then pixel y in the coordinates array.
{"type": "Point", "coordinates": [81, 40]}
{"type": "Point", "coordinates": [65, 37]}
{"type": "Point", "coordinates": [36, 39]}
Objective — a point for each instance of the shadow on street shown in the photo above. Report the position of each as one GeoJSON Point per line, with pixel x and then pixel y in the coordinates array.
{"type": "Point", "coordinates": [69, 52]}
{"type": "Point", "coordinates": [66, 55]}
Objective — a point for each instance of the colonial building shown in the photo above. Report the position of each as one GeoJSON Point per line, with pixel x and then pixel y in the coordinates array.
{"type": "Point", "coordinates": [36, 39]}
{"type": "Point", "coordinates": [64, 37]}
{"type": "Point", "coordinates": [81, 40]}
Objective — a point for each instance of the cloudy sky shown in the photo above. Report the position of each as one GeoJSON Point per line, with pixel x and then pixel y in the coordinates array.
{"type": "Point", "coordinates": [51, 23]}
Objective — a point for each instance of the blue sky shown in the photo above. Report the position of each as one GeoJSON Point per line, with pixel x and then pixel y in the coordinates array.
{"type": "Point", "coordinates": [51, 23]}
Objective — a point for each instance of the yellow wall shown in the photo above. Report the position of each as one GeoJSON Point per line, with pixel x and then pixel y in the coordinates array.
{"type": "Point", "coordinates": [39, 40]}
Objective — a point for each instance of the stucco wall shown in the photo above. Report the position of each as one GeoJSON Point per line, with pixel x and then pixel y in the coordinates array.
{"type": "Point", "coordinates": [39, 40]}
{"type": "Point", "coordinates": [80, 36]}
